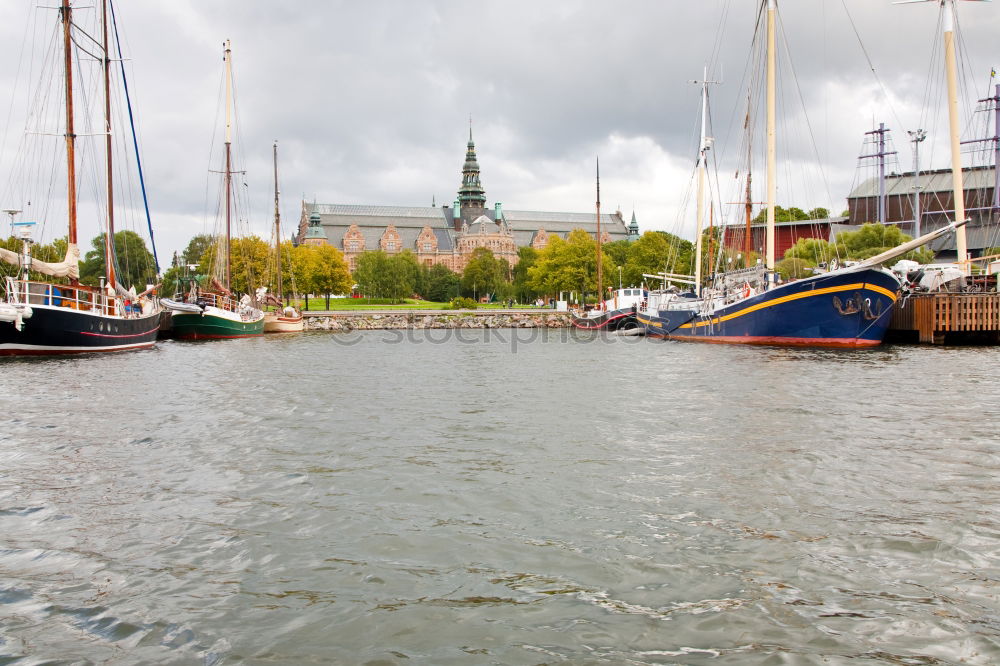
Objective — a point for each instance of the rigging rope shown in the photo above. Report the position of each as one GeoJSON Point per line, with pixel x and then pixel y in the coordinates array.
{"type": "Point", "coordinates": [135, 140]}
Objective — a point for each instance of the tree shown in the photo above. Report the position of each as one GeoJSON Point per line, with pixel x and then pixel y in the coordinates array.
{"type": "Point", "coordinates": [786, 215]}
{"type": "Point", "coordinates": [793, 268]}
{"type": "Point", "coordinates": [382, 276]}
{"type": "Point", "coordinates": [617, 251]}
{"type": "Point", "coordinates": [134, 263]}
{"type": "Point", "coordinates": [196, 248]}
{"type": "Point", "coordinates": [522, 289]}
{"type": "Point", "coordinates": [330, 274]}
{"type": "Point", "coordinates": [484, 274]}
{"type": "Point", "coordinates": [569, 265]}
{"type": "Point", "coordinates": [813, 250]}
{"type": "Point", "coordinates": [249, 265]}
{"type": "Point", "coordinates": [440, 283]}
{"type": "Point", "coordinates": [655, 252]}
{"type": "Point", "coordinates": [874, 238]}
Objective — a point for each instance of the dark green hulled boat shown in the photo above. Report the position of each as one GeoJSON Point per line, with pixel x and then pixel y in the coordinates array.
{"type": "Point", "coordinates": [215, 314]}
{"type": "Point", "coordinates": [212, 317]}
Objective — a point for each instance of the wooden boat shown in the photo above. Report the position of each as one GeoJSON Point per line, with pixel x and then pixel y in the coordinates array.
{"type": "Point", "coordinates": [281, 319]}
{"type": "Point", "coordinates": [47, 318]}
{"type": "Point", "coordinates": [220, 313]}
{"type": "Point", "coordinates": [848, 307]}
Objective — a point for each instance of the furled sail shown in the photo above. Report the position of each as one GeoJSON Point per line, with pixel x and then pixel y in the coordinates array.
{"type": "Point", "coordinates": [68, 267]}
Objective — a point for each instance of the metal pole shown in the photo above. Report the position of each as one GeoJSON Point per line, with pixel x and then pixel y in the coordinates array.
{"type": "Point", "coordinates": [229, 164]}
{"type": "Point", "coordinates": [916, 137]}
{"type": "Point", "coordinates": [109, 240]}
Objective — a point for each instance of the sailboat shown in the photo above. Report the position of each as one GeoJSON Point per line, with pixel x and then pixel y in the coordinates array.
{"type": "Point", "coordinates": [846, 307]}
{"type": "Point", "coordinates": [618, 311]}
{"type": "Point", "coordinates": [284, 319]}
{"type": "Point", "coordinates": [48, 318]}
{"type": "Point", "coordinates": [216, 312]}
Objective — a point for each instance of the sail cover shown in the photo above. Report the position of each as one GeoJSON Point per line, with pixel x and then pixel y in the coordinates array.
{"type": "Point", "coordinates": [68, 267]}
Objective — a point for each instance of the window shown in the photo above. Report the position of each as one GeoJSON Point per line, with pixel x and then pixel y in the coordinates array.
{"type": "Point", "coordinates": [390, 245]}
{"type": "Point", "coordinates": [428, 247]}
{"type": "Point", "coordinates": [352, 246]}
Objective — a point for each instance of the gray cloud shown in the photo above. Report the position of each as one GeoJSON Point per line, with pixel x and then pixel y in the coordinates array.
{"type": "Point", "coordinates": [370, 101]}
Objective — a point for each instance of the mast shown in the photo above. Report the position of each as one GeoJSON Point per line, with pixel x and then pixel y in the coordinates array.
{"type": "Point", "coordinates": [600, 281]}
{"type": "Point", "coordinates": [227, 56]}
{"type": "Point", "coordinates": [277, 224]}
{"type": "Point", "coordinates": [748, 209]}
{"type": "Point", "coordinates": [109, 238]}
{"type": "Point", "coordinates": [66, 13]}
{"type": "Point", "coordinates": [772, 184]}
{"type": "Point", "coordinates": [700, 215]}
{"type": "Point", "coordinates": [956, 150]}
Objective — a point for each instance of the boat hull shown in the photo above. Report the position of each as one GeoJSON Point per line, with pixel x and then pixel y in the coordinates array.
{"type": "Point", "coordinates": [276, 322]}
{"type": "Point", "coordinates": [611, 320]}
{"type": "Point", "coordinates": [850, 309]}
{"type": "Point", "coordinates": [53, 330]}
{"type": "Point", "coordinates": [191, 326]}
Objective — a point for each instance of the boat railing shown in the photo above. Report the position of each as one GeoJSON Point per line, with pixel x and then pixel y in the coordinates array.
{"type": "Point", "coordinates": [209, 299]}
{"type": "Point", "coordinates": [74, 297]}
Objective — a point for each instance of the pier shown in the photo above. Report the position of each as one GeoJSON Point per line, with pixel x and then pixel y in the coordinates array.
{"type": "Point", "coordinates": [946, 318]}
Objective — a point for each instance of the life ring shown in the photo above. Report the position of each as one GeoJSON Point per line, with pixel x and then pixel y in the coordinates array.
{"type": "Point", "coordinates": [746, 290]}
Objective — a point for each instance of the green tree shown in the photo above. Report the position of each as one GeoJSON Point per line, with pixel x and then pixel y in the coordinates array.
{"type": "Point", "coordinates": [196, 249]}
{"type": "Point", "coordinates": [441, 284]}
{"type": "Point", "coordinates": [617, 251]}
{"type": "Point", "coordinates": [792, 214]}
{"type": "Point", "coordinates": [794, 268]}
{"type": "Point", "coordinates": [813, 250]}
{"type": "Point", "coordinates": [379, 275]}
{"type": "Point", "coordinates": [485, 274]}
{"type": "Point", "coordinates": [522, 290]}
{"type": "Point", "coordinates": [134, 263]}
{"type": "Point", "coordinates": [655, 252]}
{"type": "Point", "coordinates": [250, 259]}
{"type": "Point", "coordinates": [569, 265]}
{"type": "Point", "coordinates": [329, 272]}
{"type": "Point", "coordinates": [874, 238]}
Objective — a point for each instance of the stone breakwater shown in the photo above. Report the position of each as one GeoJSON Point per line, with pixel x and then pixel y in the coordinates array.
{"type": "Point", "coordinates": [418, 320]}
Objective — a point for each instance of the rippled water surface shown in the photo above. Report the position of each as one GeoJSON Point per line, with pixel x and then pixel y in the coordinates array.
{"type": "Point", "coordinates": [437, 498]}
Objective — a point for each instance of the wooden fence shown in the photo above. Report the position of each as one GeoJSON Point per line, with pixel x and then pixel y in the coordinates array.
{"type": "Point", "coordinates": [933, 316]}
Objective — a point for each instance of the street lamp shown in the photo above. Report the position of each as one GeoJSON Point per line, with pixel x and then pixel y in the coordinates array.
{"type": "Point", "coordinates": [916, 136]}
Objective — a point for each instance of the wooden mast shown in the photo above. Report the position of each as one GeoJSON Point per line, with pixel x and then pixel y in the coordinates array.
{"type": "Point", "coordinates": [227, 56]}
{"type": "Point", "coordinates": [747, 245]}
{"type": "Point", "coordinates": [277, 225]}
{"type": "Point", "coordinates": [66, 14]}
{"type": "Point", "coordinates": [109, 237]}
{"type": "Point", "coordinates": [956, 149]}
{"type": "Point", "coordinates": [600, 253]}
{"type": "Point", "coordinates": [772, 184]}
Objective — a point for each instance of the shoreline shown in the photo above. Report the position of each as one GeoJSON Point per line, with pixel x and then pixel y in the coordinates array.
{"type": "Point", "coordinates": [346, 320]}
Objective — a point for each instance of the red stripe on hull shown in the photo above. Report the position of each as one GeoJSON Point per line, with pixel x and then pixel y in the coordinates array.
{"type": "Point", "coordinates": [594, 328]}
{"type": "Point", "coordinates": [201, 336]}
{"type": "Point", "coordinates": [133, 335]}
{"type": "Point", "coordinates": [64, 352]}
{"type": "Point", "coordinates": [776, 342]}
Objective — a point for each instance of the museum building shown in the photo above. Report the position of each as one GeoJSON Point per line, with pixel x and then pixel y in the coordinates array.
{"type": "Point", "coordinates": [448, 235]}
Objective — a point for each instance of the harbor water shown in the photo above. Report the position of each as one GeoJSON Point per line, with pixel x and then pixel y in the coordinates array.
{"type": "Point", "coordinates": [500, 497]}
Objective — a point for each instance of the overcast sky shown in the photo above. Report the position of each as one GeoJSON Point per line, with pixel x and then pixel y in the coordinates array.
{"type": "Point", "coordinates": [370, 101]}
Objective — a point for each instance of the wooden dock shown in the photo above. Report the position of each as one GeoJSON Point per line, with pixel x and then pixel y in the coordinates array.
{"type": "Point", "coordinates": [951, 318]}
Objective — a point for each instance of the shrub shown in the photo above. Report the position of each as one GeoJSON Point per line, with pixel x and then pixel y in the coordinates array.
{"type": "Point", "coordinates": [462, 303]}
{"type": "Point", "coordinates": [794, 268]}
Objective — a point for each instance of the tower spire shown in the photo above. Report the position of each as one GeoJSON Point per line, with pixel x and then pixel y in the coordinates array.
{"type": "Point", "coordinates": [471, 195]}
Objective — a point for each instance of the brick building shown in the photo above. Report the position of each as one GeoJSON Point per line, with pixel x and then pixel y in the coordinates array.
{"type": "Point", "coordinates": [449, 234]}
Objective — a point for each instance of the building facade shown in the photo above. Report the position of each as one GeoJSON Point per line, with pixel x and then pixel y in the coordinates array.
{"type": "Point", "coordinates": [449, 234]}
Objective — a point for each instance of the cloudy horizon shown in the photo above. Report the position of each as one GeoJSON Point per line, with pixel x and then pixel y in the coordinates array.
{"type": "Point", "coordinates": [370, 102]}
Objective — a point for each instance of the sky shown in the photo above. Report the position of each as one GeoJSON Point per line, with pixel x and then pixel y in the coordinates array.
{"type": "Point", "coordinates": [370, 102]}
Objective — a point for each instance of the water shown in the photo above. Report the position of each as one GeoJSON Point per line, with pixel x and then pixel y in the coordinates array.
{"type": "Point", "coordinates": [474, 498]}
